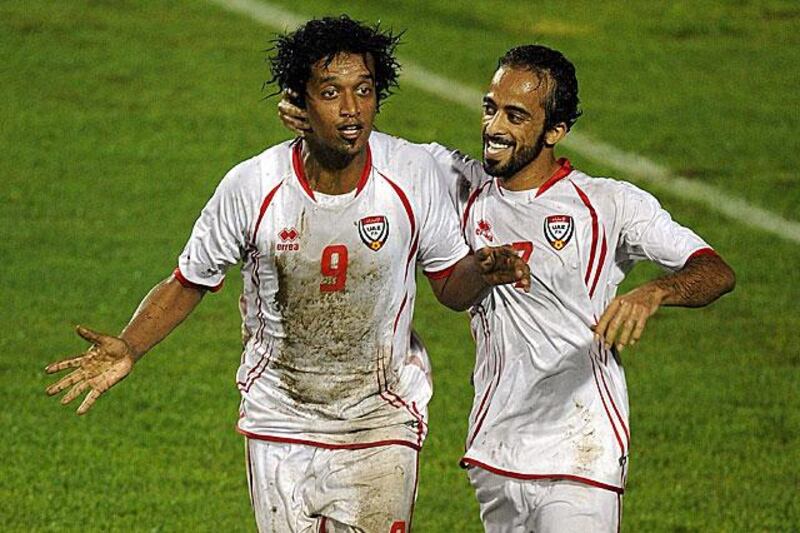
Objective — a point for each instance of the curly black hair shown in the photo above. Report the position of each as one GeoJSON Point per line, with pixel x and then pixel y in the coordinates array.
{"type": "Point", "coordinates": [323, 39]}
{"type": "Point", "coordinates": [562, 102]}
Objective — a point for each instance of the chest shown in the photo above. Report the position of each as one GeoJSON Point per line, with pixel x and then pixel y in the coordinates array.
{"type": "Point", "coordinates": [563, 241]}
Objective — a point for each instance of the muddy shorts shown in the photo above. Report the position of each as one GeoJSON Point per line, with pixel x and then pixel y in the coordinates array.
{"type": "Point", "coordinates": [298, 488]}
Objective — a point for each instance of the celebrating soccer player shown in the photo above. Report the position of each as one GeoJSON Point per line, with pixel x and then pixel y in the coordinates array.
{"type": "Point", "coordinates": [329, 229]}
{"type": "Point", "coordinates": [548, 442]}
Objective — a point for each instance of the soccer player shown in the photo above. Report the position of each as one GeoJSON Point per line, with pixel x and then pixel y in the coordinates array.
{"type": "Point", "coordinates": [548, 442]}
{"type": "Point", "coordinates": [329, 229]}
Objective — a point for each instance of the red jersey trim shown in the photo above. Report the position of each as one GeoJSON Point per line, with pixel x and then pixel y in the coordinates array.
{"type": "Point", "coordinates": [472, 198]}
{"type": "Point", "coordinates": [299, 171]}
{"type": "Point", "coordinates": [191, 285]}
{"type": "Point", "coordinates": [326, 445]}
{"type": "Point", "coordinates": [698, 253]}
{"type": "Point", "coordinates": [264, 205]}
{"type": "Point", "coordinates": [561, 173]}
{"type": "Point", "coordinates": [516, 475]}
{"type": "Point", "coordinates": [442, 274]}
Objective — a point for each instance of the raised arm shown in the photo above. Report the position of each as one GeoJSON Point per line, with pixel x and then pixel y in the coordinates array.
{"type": "Point", "coordinates": [110, 359]}
{"type": "Point", "coordinates": [703, 279]}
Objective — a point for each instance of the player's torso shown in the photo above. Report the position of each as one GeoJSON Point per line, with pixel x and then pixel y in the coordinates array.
{"type": "Point", "coordinates": [559, 236]}
{"type": "Point", "coordinates": [325, 279]}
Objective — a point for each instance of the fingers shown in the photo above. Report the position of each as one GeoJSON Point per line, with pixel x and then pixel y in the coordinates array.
{"type": "Point", "coordinates": [87, 403]}
{"type": "Point", "coordinates": [74, 392]}
{"type": "Point", "coordinates": [602, 324]}
{"type": "Point", "coordinates": [58, 366]}
{"type": "Point", "coordinates": [89, 335]}
{"type": "Point", "coordinates": [65, 382]}
{"type": "Point", "coordinates": [622, 324]}
{"type": "Point", "coordinates": [485, 259]}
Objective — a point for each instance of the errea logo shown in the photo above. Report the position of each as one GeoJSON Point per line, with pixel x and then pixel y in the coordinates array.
{"type": "Point", "coordinates": [287, 237]}
{"type": "Point", "coordinates": [485, 229]}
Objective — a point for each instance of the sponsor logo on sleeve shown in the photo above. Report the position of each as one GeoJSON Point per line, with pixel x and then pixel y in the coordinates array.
{"type": "Point", "coordinates": [558, 230]}
{"type": "Point", "coordinates": [374, 231]}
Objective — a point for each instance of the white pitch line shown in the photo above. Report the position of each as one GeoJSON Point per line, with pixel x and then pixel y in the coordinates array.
{"type": "Point", "coordinates": [629, 164]}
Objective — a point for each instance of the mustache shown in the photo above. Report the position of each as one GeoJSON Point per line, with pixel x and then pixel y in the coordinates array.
{"type": "Point", "coordinates": [498, 139]}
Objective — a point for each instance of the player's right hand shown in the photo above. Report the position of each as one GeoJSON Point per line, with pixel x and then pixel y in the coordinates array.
{"type": "Point", "coordinates": [106, 363]}
{"type": "Point", "coordinates": [501, 264]}
{"type": "Point", "coordinates": [292, 116]}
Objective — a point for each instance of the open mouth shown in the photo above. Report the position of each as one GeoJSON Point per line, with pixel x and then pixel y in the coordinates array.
{"type": "Point", "coordinates": [493, 146]}
{"type": "Point", "coordinates": [350, 131]}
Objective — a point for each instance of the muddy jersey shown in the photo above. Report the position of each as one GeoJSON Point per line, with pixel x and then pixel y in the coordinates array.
{"type": "Point", "coordinates": [329, 289]}
{"type": "Point", "coordinates": [549, 400]}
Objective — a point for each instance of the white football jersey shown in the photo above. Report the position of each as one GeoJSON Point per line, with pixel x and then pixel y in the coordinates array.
{"type": "Point", "coordinates": [550, 402]}
{"type": "Point", "coordinates": [329, 289]}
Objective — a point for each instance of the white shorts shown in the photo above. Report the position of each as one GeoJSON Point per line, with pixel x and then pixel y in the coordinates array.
{"type": "Point", "coordinates": [298, 488]}
{"type": "Point", "coordinates": [544, 505]}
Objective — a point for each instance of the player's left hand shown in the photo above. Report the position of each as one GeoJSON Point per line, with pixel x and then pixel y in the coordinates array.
{"type": "Point", "coordinates": [499, 265]}
{"type": "Point", "coordinates": [625, 317]}
{"type": "Point", "coordinates": [292, 116]}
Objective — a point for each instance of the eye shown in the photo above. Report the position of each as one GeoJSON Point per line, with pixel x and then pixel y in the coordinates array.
{"type": "Point", "coordinates": [489, 109]}
{"type": "Point", "coordinates": [364, 90]}
{"type": "Point", "coordinates": [516, 118]}
{"type": "Point", "coordinates": [329, 93]}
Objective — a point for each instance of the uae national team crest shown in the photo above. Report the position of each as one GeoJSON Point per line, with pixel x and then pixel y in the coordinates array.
{"type": "Point", "coordinates": [558, 230]}
{"type": "Point", "coordinates": [373, 231]}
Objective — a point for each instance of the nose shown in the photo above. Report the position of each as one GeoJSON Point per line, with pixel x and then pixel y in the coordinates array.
{"type": "Point", "coordinates": [349, 105]}
{"type": "Point", "coordinates": [494, 124]}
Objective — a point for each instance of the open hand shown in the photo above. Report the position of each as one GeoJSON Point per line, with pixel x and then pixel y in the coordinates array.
{"type": "Point", "coordinates": [625, 317]}
{"type": "Point", "coordinates": [499, 265]}
{"type": "Point", "coordinates": [292, 116]}
{"type": "Point", "coordinates": [106, 363]}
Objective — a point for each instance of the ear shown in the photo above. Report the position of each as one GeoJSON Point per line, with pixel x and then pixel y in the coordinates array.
{"type": "Point", "coordinates": [554, 135]}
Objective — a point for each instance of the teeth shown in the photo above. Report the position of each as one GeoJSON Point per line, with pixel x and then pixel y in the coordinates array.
{"type": "Point", "coordinates": [495, 145]}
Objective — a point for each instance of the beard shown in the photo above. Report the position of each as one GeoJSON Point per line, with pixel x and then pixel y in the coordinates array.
{"type": "Point", "coordinates": [519, 159]}
{"type": "Point", "coordinates": [329, 156]}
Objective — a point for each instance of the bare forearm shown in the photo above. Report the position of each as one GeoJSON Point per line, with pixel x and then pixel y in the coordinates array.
{"type": "Point", "coordinates": [701, 281]}
{"type": "Point", "coordinates": [164, 307]}
{"type": "Point", "coordinates": [463, 287]}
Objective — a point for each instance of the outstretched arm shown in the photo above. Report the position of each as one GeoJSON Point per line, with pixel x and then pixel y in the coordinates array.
{"type": "Point", "coordinates": [702, 280]}
{"type": "Point", "coordinates": [110, 359]}
{"type": "Point", "coordinates": [477, 272]}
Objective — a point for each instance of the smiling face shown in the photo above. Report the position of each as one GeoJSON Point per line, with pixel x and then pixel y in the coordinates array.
{"type": "Point", "coordinates": [341, 103]}
{"type": "Point", "coordinates": [513, 120]}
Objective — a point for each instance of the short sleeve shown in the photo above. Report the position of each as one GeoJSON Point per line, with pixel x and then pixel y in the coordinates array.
{"type": "Point", "coordinates": [461, 173]}
{"type": "Point", "coordinates": [649, 232]}
{"type": "Point", "coordinates": [441, 244]}
{"type": "Point", "coordinates": [219, 236]}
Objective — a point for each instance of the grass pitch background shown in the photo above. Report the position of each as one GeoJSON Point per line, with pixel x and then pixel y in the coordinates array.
{"type": "Point", "coordinates": [118, 119]}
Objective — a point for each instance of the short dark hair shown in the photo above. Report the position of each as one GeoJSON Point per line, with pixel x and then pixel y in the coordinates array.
{"type": "Point", "coordinates": [562, 101]}
{"type": "Point", "coordinates": [325, 38]}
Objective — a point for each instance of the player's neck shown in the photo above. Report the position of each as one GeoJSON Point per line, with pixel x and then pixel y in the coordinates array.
{"type": "Point", "coordinates": [535, 173]}
{"type": "Point", "coordinates": [329, 173]}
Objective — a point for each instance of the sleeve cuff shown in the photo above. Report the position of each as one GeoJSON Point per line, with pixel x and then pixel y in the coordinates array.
{"type": "Point", "coordinates": [190, 285]}
{"type": "Point", "coordinates": [702, 251]}
{"type": "Point", "coordinates": [440, 274]}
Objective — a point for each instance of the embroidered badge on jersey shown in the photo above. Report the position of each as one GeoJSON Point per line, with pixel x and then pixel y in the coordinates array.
{"type": "Point", "coordinates": [558, 230]}
{"type": "Point", "coordinates": [373, 231]}
{"type": "Point", "coordinates": [485, 229]}
{"type": "Point", "coordinates": [287, 237]}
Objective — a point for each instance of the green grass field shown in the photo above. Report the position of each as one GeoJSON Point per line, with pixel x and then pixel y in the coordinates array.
{"type": "Point", "coordinates": [118, 119]}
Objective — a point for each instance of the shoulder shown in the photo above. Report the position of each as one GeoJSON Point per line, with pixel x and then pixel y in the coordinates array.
{"type": "Point", "coordinates": [398, 154]}
{"type": "Point", "coordinates": [254, 174]}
